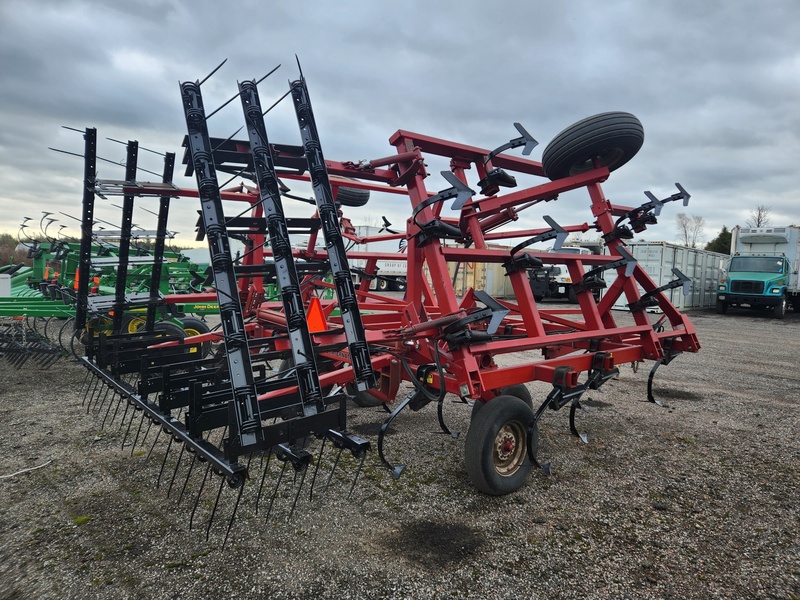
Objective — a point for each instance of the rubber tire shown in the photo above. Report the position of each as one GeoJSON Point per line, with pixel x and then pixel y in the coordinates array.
{"type": "Point", "coordinates": [572, 297]}
{"type": "Point", "coordinates": [519, 390]}
{"type": "Point", "coordinates": [398, 284]}
{"type": "Point", "coordinates": [382, 285]}
{"type": "Point", "coordinates": [779, 312]}
{"type": "Point", "coordinates": [347, 196]}
{"type": "Point", "coordinates": [171, 329]}
{"type": "Point", "coordinates": [194, 326]}
{"type": "Point", "coordinates": [480, 442]}
{"type": "Point", "coordinates": [721, 307]}
{"type": "Point", "coordinates": [612, 137]}
{"type": "Point", "coordinates": [132, 323]}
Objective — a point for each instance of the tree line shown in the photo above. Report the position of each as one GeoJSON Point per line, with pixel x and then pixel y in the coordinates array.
{"type": "Point", "coordinates": [690, 229]}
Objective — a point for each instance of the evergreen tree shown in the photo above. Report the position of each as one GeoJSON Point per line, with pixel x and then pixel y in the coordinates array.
{"type": "Point", "coordinates": [721, 243]}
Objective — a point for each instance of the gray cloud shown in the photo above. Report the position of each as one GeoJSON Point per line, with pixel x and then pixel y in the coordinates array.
{"type": "Point", "coordinates": [716, 85]}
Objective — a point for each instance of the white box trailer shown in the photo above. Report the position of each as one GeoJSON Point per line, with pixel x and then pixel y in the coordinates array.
{"type": "Point", "coordinates": [703, 267]}
{"type": "Point", "coordinates": [392, 272]}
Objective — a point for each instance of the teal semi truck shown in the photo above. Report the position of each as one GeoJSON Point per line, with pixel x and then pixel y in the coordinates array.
{"type": "Point", "coordinates": [763, 270]}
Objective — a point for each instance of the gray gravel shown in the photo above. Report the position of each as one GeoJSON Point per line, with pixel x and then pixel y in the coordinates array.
{"type": "Point", "coordinates": [697, 499]}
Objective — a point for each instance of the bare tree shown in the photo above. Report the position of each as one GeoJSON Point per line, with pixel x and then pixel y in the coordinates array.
{"type": "Point", "coordinates": [690, 228]}
{"type": "Point", "coordinates": [759, 216]}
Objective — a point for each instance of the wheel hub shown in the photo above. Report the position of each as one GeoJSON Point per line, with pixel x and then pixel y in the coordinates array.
{"type": "Point", "coordinates": [509, 448]}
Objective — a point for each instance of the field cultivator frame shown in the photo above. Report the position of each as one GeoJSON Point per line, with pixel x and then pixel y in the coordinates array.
{"type": "Point", "coordinates": [235, 405]}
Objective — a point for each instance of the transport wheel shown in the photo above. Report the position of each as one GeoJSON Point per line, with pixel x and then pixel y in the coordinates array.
{"type": "Point", "coordinates": [572, 296]}
{"type": "Point", "coordinates": [520, 390]}
{"type": "Point", "coordinates": [780, 309]}
{"type": "Point", "coordinates": [496, 448]}
{"type": "Point", "coordinates": [170, 329]}
{"type": "Point", "coordinates": [382, 285]}
{"type": "Point", "coordinates": [399, 284]}
{"type": "Point", "coordinates": [721, 307]}
{"type": "Point", "coordinates": [193, 326]}
{"type": "Point", "coordinates": [611, 138]}
{"type": "Point", "coordinates": [347, 196]}
{"type": "Point", "coordinates": [132, 323]}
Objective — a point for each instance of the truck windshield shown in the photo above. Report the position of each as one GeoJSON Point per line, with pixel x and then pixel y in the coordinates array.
{"type": "Point", "coordinates": [756, 264]}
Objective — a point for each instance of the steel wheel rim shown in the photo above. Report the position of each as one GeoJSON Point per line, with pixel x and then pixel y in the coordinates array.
{"type": "Point", "coordinates": [135, 324]}
{"type": "Point", "coordinates": [508, 450]}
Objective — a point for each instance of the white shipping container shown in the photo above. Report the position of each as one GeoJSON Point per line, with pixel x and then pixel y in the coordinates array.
{"type": "Point", "coordinates": [5, 285]}
{"type": "Point", "coordinates": [703, 267]}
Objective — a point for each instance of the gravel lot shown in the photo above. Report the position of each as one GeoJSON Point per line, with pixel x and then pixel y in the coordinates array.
{"type": "Point", "coordinates": [696, 499]}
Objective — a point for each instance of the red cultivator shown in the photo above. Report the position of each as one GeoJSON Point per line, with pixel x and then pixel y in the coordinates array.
{"type": "Point", "coordinates": [362, 345]}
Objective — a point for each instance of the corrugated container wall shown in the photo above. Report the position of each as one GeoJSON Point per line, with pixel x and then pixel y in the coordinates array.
{"type": "Point", "coordinates": [704, 268]}
{"type": "Point", "coordinates": [489, 277]}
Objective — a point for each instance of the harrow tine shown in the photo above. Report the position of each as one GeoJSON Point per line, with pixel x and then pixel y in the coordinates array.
{"type": "Point", "coordinates": [214, 510]}
{"type": "Point", "coordinates": [108, 410]}
{"type": "Point", "coordinates": [128, 429]}
{"type": "Point", "coordinates": [146, 432]}
{"type": "Point", "coordinates": [275, 492]}
{"type": "Point", "coordinates": [175, 470]}
{"type": "Point", "coordinates": [116, 410]}
{"type": "Point", "coordinates": [333, 469]}
{"type": "Point", "coordinates": [233, 516]}
{"type": "Point", "coordinates": [138, 431]}
{"type": "Point", "coordinates": [158, 434]}
{"type": "Point", "coordinates": [263, 477]}
{"type": "Point", "coordinates": [197, 498]}
{"type": "Point", "coordinates": [90, 393]}
{"type": "Point", "coordinates": [357, 446]}
{"type": "Point", "coordinates": [99, 407]}
{"type": "Point", "coordinates": [96, 391]}
{"type": "Point", "coordinates": [164, 461]}
{"type": "Point", "coordinates": [358, 472]}
{"type": "Point", "coordinates": [125, 414]}
{"type": "Point", "coordinates": [303, 472]}
{"type": "Point", "coordinates": [86, 380]}
{"type": "Point", "coordinates": [188, 474]}
{"type": "Point", "coordinates": [316, 469]}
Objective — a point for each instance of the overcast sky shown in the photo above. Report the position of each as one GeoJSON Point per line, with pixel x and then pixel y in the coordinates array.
{"type": "Point", "coordinates": [716, 85]}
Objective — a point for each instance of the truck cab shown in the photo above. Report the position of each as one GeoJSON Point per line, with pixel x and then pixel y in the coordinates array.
{"type": "Point", "coordinates": [554, 281]}
{"type": "Point", "coordinates": [762, 272]}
